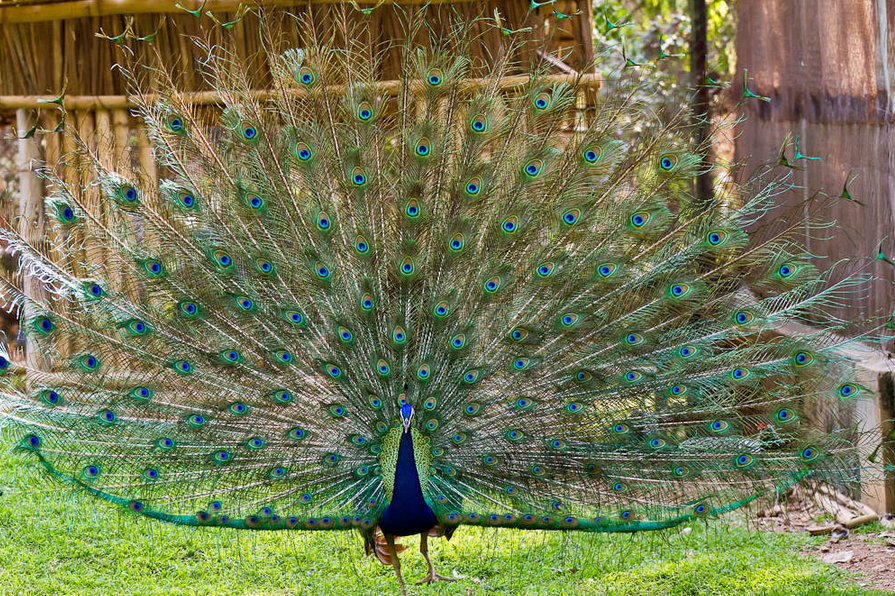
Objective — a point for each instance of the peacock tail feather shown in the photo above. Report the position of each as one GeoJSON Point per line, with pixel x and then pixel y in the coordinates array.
{"type": "Point", "coordinates": [586, 344]}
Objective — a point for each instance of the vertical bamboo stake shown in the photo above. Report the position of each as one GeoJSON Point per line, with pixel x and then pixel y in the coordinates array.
{"type": "Point", "coordinates": [30, 210]}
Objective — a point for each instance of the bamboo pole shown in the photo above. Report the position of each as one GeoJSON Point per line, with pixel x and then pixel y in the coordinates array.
{"type": "Point", "coordinates": [120, 102]}
{"type": "Point", "coordinates": [30, 221]}
{"type": "Point", "coordinates": [77, 9]}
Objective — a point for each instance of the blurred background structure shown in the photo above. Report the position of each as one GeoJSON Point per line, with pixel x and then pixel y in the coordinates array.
{"type": "Point", "coordinates": [821, 72]}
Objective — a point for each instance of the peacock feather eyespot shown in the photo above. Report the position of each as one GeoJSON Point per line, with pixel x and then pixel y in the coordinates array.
{"type": "Point", "coordinates": [458, 342]}
{"type": "Point", "coordinates": [744, 461]}
{"type": "Point", "coordinates": [249, 132]}
{"type": "Point", "coordinates": [222, 260]}
{"type": "Point", "coordinates": [606, 270]}
{"type": "Point", "coordinates": [583, 376]}
{"type": "Point", "coordinates": [93, 290]}
{"type": "Point", "coordinates": [633, 339]}
{"type": "Point", "coordinates": [478, 123]}
{"type": "Point", "coordinates": [470, 377]}
{"type": "Point", "coordinates": [303, 152]}
{"type": "Point", "coordinates": [802, 359]}
{"type": "Point", "coordinates": [188, 308]}
{"type": "Point", "coordinates": [366, 302]}
{"type": "Point", "coordinates": [135, 506]}
{"type": "Point", "coordinates": [295, 317]}
{"type": "Point", "coordinates": [522, 363]}
{"type": "Point", "coordinates": [358, 177]}
{"type": "Point", "coordinates": [621, 428]}
{"type": "Point", "coordinates": [571, 217]}
{"type": "Point", "coordinates": [322, 270]}
{"type": "Point", "coordinates": [431, 424]}
{"type": "Point", "coordinates": [141, 394]}
{"type": "Point", "coordinates": [632, 376]}
{"type": "Point", "coordinates": [364, 111]}
{"type": "Point", "coordinates": [544, 270]}
{"type": "Point", "coordinates": [679, 290]}
{"type": "Point", "coordinates": [284, 356]}
{"type": "Point", "coordinates": [174, 123]}
{"type": "Point", "coordinates": [626, 514]}
{"type": "Point", "coordinates": [423, 147]}
{"type": "Point", "coordinates": [719, 426]}
{"type": "Point", "coordinates": [809, 453]}
{"type": "Point", "coordinates": [677, 390]}
{"type": "Point", "coordinates": [687, 351]}
{"type": "Point", "coordinates": [473, 186]}
{"type": "Point", "coordinates": [680, 471]}
{"type": "Point", "coordinates": [306, 76]}
{"type": "Point", "coordinates": [785, 415]}
{"type": "Point", "coordinates": [90, 472]}
{"type": "Point", "coordinates": [324, 223]}
{"type": "Point", "coordinates": [557, 444]}
{"type": "Point", "coordinates": [423, 372]}
{"type": "Point", "coordinates": [222, 456]}
{"type": "Point", "coordinates": [592, 154]}
{"type": "Point", "coordinates": [406, 267]}
{"type": "Point", "coordinates": [739, 373]}
{"type": "Point", "coordinates": [430, 403]}
{"type": "Point", "coordinates": [541, 101]}
{"type": "Point", "coordinates": [667, 162]}
{"type": "Point", "coordinates": [455, 244]}
{"type": "Point", "coordinates": [657, 443]}
{"type": "Point", "coordinates": [197, 420]}
{"type": "Point", "coordinates": [296, 434]}
{"type": "Point", "coordinates": [786, 270]}
{"type": "Point", "coordinates": [65, 213]}
{"type": "Point", "coordinates": [263, 265]}
{"type": "Point", "coordinates": [50, 397]}
{"type": "Point", "coordinates": [153, 267]}
{"type": "Point", "coordinates": [716, 237]}
{"type": "Point", "coordinates": [107, 416]}
{"type": "Point", "coordinates": [640, 219]}
{"type": "Point", "coordinates": [441, 309]}
{"type": "Point", "coordinates": [435, 77]}
{"type": "Point", "coordinates": [412, 209]}
{"type": "Point", "coordinates": [490, 460]}
{"type": "Point", "coordinates": [509, 225]}
{"type": "Point", "coordinates": [44, 325]}
{"type": "Point", "coordinates": [332, 459]}
{"type": "Point", "coordinates": [333, 371]}
{"type": "Point", "coordinates": [239, 409]}
{"type": "Point", "coordinates": [533, 168]}
{"type": "Point", "coordinates": [382, 368]}
{"type": "Point", "coordinates": [492, 284]}
{"type": "Point", "coordinates": [186, 199]}
{"type": "Point", "coordinates": [574, 407]}
{"type": "Point", "coordinates": [569, 319]}
{"type": "Point", "coordinates": [619, 487]}
{"type": "Point", "coordinates": [537, 470]}
{"type": "Point", "coordinates": [165, 444]}
{"type": "Point", "coordinates": [137, 328]}
{"type": "Point", "coordinates": [358, 440]}
{"type": "Point", "coordinates": [128, 193]}
{"type": "Point", "coordinates": [4, 364]}
{"type": "Point", "coordinates": [88, 362]}
{"type": "Point", "coordinates": [361, 245]}
{"type": "Point", "coordinates": [743, 317]}
{"type": "Point", "coordinates": [278, 472]}
{"type": "Point", "coordinates": [700, 509]}
{"type": "Point", "coordinates": [847, 390]}
{"type": "Point", "coordinates": [245, 303]}
{"type": "Point", "coordinates": [151, 474]}
{"type": "Point", "coordinates": [345, 335]}
{"type": "Point", "coordinates": [519, 334]}
{"type": "Point", "coordinates": [282, 397]}
{"type": "Point", "coordinates": [253, 201]}
{"type": "Point", "coordinates": [523, 403]}
{"type": "Point", "coordinates": [183, 367]}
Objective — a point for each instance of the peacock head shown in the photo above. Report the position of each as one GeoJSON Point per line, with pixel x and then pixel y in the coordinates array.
{"type": "Point", "coordinates": [406, 416]}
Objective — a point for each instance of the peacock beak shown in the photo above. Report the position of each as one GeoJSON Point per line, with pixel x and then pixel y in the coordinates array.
{"type": "Point", "coordinates": [406, 423]}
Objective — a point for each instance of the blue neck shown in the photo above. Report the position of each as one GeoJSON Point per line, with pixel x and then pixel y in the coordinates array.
{"type": "Point", "coordinates": [408, 513]}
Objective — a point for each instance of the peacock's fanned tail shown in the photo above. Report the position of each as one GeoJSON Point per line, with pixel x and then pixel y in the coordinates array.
{"type": "Point", "coordinates": [585, 344]}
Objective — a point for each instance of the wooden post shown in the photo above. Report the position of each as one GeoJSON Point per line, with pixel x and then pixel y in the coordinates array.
{"type": "Point", "coordinates": [31, 217]}
{"type": "Point", "coordinates": [886, 393]}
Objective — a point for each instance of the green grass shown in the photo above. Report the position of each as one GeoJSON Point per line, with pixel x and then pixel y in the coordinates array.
{"type": "Point", "coordinates": [53, 542]}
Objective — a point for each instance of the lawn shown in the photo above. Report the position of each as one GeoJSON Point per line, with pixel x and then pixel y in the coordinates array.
{"type": "Point", "coordinates": [54, 542]}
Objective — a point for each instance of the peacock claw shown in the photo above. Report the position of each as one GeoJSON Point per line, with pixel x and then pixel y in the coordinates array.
{"type": "Point", "coordinates": [434, 577]}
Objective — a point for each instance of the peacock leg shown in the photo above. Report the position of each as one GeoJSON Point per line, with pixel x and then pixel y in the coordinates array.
{"type": "Point", "coordinates": [424, 549]}
{"type": "Point", "coordinates": [396, 563]}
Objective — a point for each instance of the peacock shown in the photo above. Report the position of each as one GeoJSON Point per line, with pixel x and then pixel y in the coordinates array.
{"type": "Point", "coordinates": [481, 293]}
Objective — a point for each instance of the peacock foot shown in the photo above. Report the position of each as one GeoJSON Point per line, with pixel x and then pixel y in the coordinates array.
{"type": "Point", "coordinates": [434, 577]}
